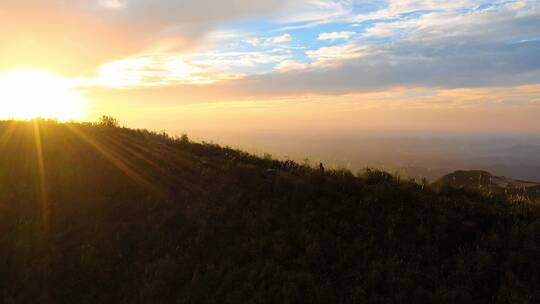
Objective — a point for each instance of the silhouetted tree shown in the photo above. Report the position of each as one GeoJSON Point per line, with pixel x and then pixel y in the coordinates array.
{"type": "Point", "coordinates": [109, 121]}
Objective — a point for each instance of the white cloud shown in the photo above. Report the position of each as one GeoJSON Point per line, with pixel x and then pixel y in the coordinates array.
{"type": "Point", "coordinates": [335, 55]}
{"type": "Point", "coordinates": [317, 11]}
{"type": "Point", "coordinates": [492, 45]}
{"type": "Point", "coordinates": [254, 41]}
{"type": "Point", "coordinates": [396, 8]}
{"type": "Point", "coordinates": [279, 39]}
{"type": "Point", "coordinates": [273, 41]}
{"type": "Point", "coordinates": [175, 69]}
{"type": "Point", "coordinates": [231, 60]}
{"type": "Point", "coordinates": [113, 4]}
{"type": "Point", "coordinates": [336, 35]}
{"type": "Point", "coordinates": [497, 22]}
{"type": "Point", "coordinates": [291, 65]}
{"type": "Point", "coordinates": [160, 70]}
{"type": "Point", "coordinates": [387, 29]}
{"type": "Point", "coordinates": [220, 36]}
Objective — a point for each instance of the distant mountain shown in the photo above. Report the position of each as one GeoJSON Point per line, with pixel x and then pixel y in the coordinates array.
{"type": "Point", "coordinates": [96, 213]}
{"type": "Point", "coordinates": [485, 181]}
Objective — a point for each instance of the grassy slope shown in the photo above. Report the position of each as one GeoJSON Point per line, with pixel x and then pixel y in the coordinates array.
{"type": "Point", "coordinates": [131, 216]}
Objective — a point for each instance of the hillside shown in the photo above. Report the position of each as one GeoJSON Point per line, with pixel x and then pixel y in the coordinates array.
{"type": "Point", "coordinates": [101, 214]}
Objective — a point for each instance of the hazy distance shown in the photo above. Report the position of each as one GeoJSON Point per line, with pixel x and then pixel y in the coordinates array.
{"type": "Point", "coordinates": [430, 156]}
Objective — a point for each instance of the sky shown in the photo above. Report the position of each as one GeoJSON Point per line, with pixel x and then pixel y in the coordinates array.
{"type": "Point", "coordinates": [395, 66]}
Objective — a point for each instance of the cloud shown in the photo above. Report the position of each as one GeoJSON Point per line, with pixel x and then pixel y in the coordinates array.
{"type": "Point", "coordinates": [395, 9]}
{"type": "Point", "coordinates": [254, 41]}
{"type": "Point", "coordinates": [158, 70]}
{"type": "Point", "coordinates": [269, 42]}
{"type": "Point", "coordinates": [482, 47]}
{"type": "Point", "coordinates": [334, 55]}
{"type": "Point", "coordinates": [381, 68]}
{"type": "Point", "coordinates": [496, 45]}
{"type": "Point", "coordinates": [166, 42]}
{"type": "Point", "coordinates": [289, 65]}
{"type": "Point", "coordinates": [113, 4]}
{"type": "Point", "coordinates": [336, 35]}
{"type": "Point", "coordinates": [228, 60]}
{"type": "Point", "coordinates": [317, 11]}
{"type": "Point", "coordinates": [170, 69]}
{"type": "Point", "coordinates": [81, 35]}
{"type": "Point", "coordinates": [496, 22]}
{"type": "Point", "coordinates": [278, 39]}
{"type": "Point", "coordinates": [389, 29]}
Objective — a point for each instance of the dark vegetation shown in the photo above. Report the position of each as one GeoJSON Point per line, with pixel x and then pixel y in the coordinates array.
{"type": "Point", "coordinates": [114, 215]}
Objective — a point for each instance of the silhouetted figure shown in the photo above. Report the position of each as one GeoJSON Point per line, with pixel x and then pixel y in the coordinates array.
{"type": "Point", "coordinates": [321, 167]}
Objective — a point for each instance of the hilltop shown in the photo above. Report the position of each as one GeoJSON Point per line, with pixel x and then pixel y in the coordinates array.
{"type": "Point", "coordinates": [96, 213]}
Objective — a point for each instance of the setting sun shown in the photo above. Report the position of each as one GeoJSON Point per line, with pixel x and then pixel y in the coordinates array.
{"type": "Point", "coordinates": [38, 94]}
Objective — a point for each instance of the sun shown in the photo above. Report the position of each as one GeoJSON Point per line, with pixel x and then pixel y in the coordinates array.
{"type": "Point", "coordinates": [38, 94]}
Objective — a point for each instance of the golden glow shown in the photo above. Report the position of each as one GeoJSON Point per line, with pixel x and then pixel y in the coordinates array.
{"type": "Point", "coordinates": [38, 94]}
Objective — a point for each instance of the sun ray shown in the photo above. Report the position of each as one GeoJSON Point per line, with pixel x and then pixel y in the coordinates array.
{"type": "Point", "coordinates": [124, 146]}
{"type": "Point", "coordinates": [8, 133]}
{"type": "Point", "coordinates": [112, 157]}
{"type": "Point", "coordinates": [44, 200]}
